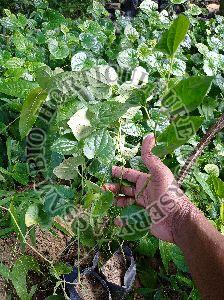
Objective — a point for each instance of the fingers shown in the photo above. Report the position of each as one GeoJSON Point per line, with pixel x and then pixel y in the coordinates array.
{"type": "Point", "coordinates": [117, 188]}
{"type": "Point", "coordinates": [152, 162]}
{"type": "Point", "coordinates": [147, 146]}
{"type": "Point", "coordinates": [124, 173]}
{"type": "Point", "coordinates": [113, 187]}
{"type": "Point", "coordinates": [124, 201]}
{"type": "Point", "coordinates": [128, 191]}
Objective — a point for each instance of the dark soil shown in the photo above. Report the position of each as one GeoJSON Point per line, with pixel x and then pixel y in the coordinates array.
{"type": "Point", "coordinates": [90, 288]}
{"type": "Point", "coordinates": [115, 268]}
{"type": "Point", "coordinates": [50, 246]}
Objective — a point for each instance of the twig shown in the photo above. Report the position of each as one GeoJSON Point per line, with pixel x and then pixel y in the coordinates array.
{"type": "Point", "coordinates": [207, 138]}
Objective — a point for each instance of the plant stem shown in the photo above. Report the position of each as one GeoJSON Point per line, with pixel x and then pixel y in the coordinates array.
{"type": "Point", "coordinates": [170, 70]}
{"type": "Point", "coordinates": [147, 112]}
{"type": "Point", "coordinates": [207, 138]}
{"type": "Point", "coordinates": [78, 237]}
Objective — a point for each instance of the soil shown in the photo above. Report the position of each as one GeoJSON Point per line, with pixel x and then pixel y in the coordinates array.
{"type": "Point", "coordinates": [9, 252]}
{"type": "Point", "coordinates": [90, 288]}
{"type": "Point", "coordinates": [115, 268]}
{"type": "Point", "coordinates": [48, 245]}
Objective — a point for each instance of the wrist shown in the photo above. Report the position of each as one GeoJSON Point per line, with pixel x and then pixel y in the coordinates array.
{"type": "Point", "coordinates": [185, 216]}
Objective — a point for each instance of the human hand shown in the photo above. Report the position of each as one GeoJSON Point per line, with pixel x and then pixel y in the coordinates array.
{"type": "Point", "coordinates": [157, 192]}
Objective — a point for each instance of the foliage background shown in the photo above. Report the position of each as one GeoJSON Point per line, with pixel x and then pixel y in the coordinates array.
{"type": "Point", "coordinates": [38, 52]}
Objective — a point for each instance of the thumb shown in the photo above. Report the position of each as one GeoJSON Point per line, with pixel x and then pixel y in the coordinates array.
{"type": "Point", "coordinates": [152, 162]}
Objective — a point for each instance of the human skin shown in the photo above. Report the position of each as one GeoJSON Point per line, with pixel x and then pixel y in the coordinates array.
{"type": "Point", "coordinates": [175, 219]}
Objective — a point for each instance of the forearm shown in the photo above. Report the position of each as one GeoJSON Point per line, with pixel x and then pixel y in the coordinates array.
{"type": "Point", "coordinates": [203, 247]}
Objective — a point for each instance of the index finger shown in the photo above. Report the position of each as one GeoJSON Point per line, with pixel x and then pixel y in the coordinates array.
{"type": "Point", "coordinates": [125, 173]}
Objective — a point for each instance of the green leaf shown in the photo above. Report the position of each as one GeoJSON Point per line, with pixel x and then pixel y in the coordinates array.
{"type": "Point", "coordinates": [55, 18]}
{"type": "Point", "coordinates": [90, 42]}
{"type": "Point", "coordinates": [65, 146]}
{"type": "Point", "coordinates": [137, 220]}
{"type": "Point", "coordinates": [172, 38]}
{"type": "Point", "coordinates": [218, 186]}
{"type": "Point", "coordinates": [205, 186]}
{"type": "Point", "coordinates": [80, 61]}
{"type": "Point", "coordinates": [148, 246]}
{"type": "Point", "coordinates": [60, 269]}
{"type": "Point", "coordinates": [102, 74]}
{"type": "Point", "coordinates": [68, 168]}
{"type": "Point", "coordinates": [18, 276]}
{"type": "Point", "coordinates": [106, 113]}
{"type": "Point", "coordinates": [30, 110]}
{"type": "Point", "coordinates": [177, 134]}
{"type": "Point", "coordinates": [31, 216]}
{"type": "Point", "coordinates": [20, 173]}
{"type": "Point", "coordinates": [19, 88]}
{"type": "Point", "coordinates": [44, 77]}
{"type": "Point", "coordinates": [178, 258]}
{"type": "Point", "coordinates": [14, 63]}
{"type": "Point", "coordinates": [188, 94]}
{"type": "Point", "coordinates": [170, 252]}
{"type": "Point", "coordinates": [138, 164]}
{"type": "Point", "coordinates": [164, 248]}
{"type": "Point", "coordinates": [82, 228]}
{"type": "Point", "coordinates": [212, 170]}
{"type": "Point", "coordinates": [4, 271]}
{"type": "Point", "coordinates": [102, 204]}
{"type": "Point", "coordinates": [100, 145]}
{"type": "Point", "coordinates": [127, 59]}
{"type": "Point", "coordinates": [58, 49]}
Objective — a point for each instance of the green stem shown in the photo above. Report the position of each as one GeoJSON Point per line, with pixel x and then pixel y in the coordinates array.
{"type": "Point", "coordinates": [170, 70]}
{"type": "Point", "coordinates": [147, 112]}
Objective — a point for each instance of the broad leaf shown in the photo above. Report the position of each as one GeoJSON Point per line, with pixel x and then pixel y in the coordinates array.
{"type": "Point", "coordinates": [137, 220]}
{"type": "Point", "coordinates": [100, 145]}
{"type": "Point", "coordinates": [59, 269]}
{"type": "Point", "coordinates": [65, 146]}
{"type": "Point", "coordinates": [177, 134]}
{"type": "Point", "coordinates": [102, 74]}
{"type": "Point", "coordinates": [82, 228]}
{"type": "Point", "coordinates": [19, 273]}
{"type": "Point", "coordinates": [30, 110]}
{"type": "Point", "coordinates": [102, 204]}
{"type": "Point", "coordinates": [173, 37]}
{"type": "Point", "coordinates": [80, 61]}
{"type": "Point", "coordinates": [201, 179]}
{"type": "Point", "coordinates": [68, 168]}
{"type": "Point", "coordinates": [127, 59]}
{"type": "Point", "coordinates": [80, 124]}
{"type": "Point", "coordinates": [106, 113]}
{"type": "Point", "coordinates": [31, 216]}
{"type": "Point", "coordinates": [19, 88]}
{"type": "Point", "coordinates": [187, 95]}
{"type": "Point", "coordinates": [170, 252]}
{"type": "Point", "coordinates": [218, 186]}
{"type": "Point", "coordinates": [58, 49]}
{"type": "Point", "coordinates": [4, 271]}
{"type": "Point", "coordinates": [44, 77]}
{"type": "Point", "coordinates": [20, 173]}
{"type": "Point", "coordinates": [148, 245]}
